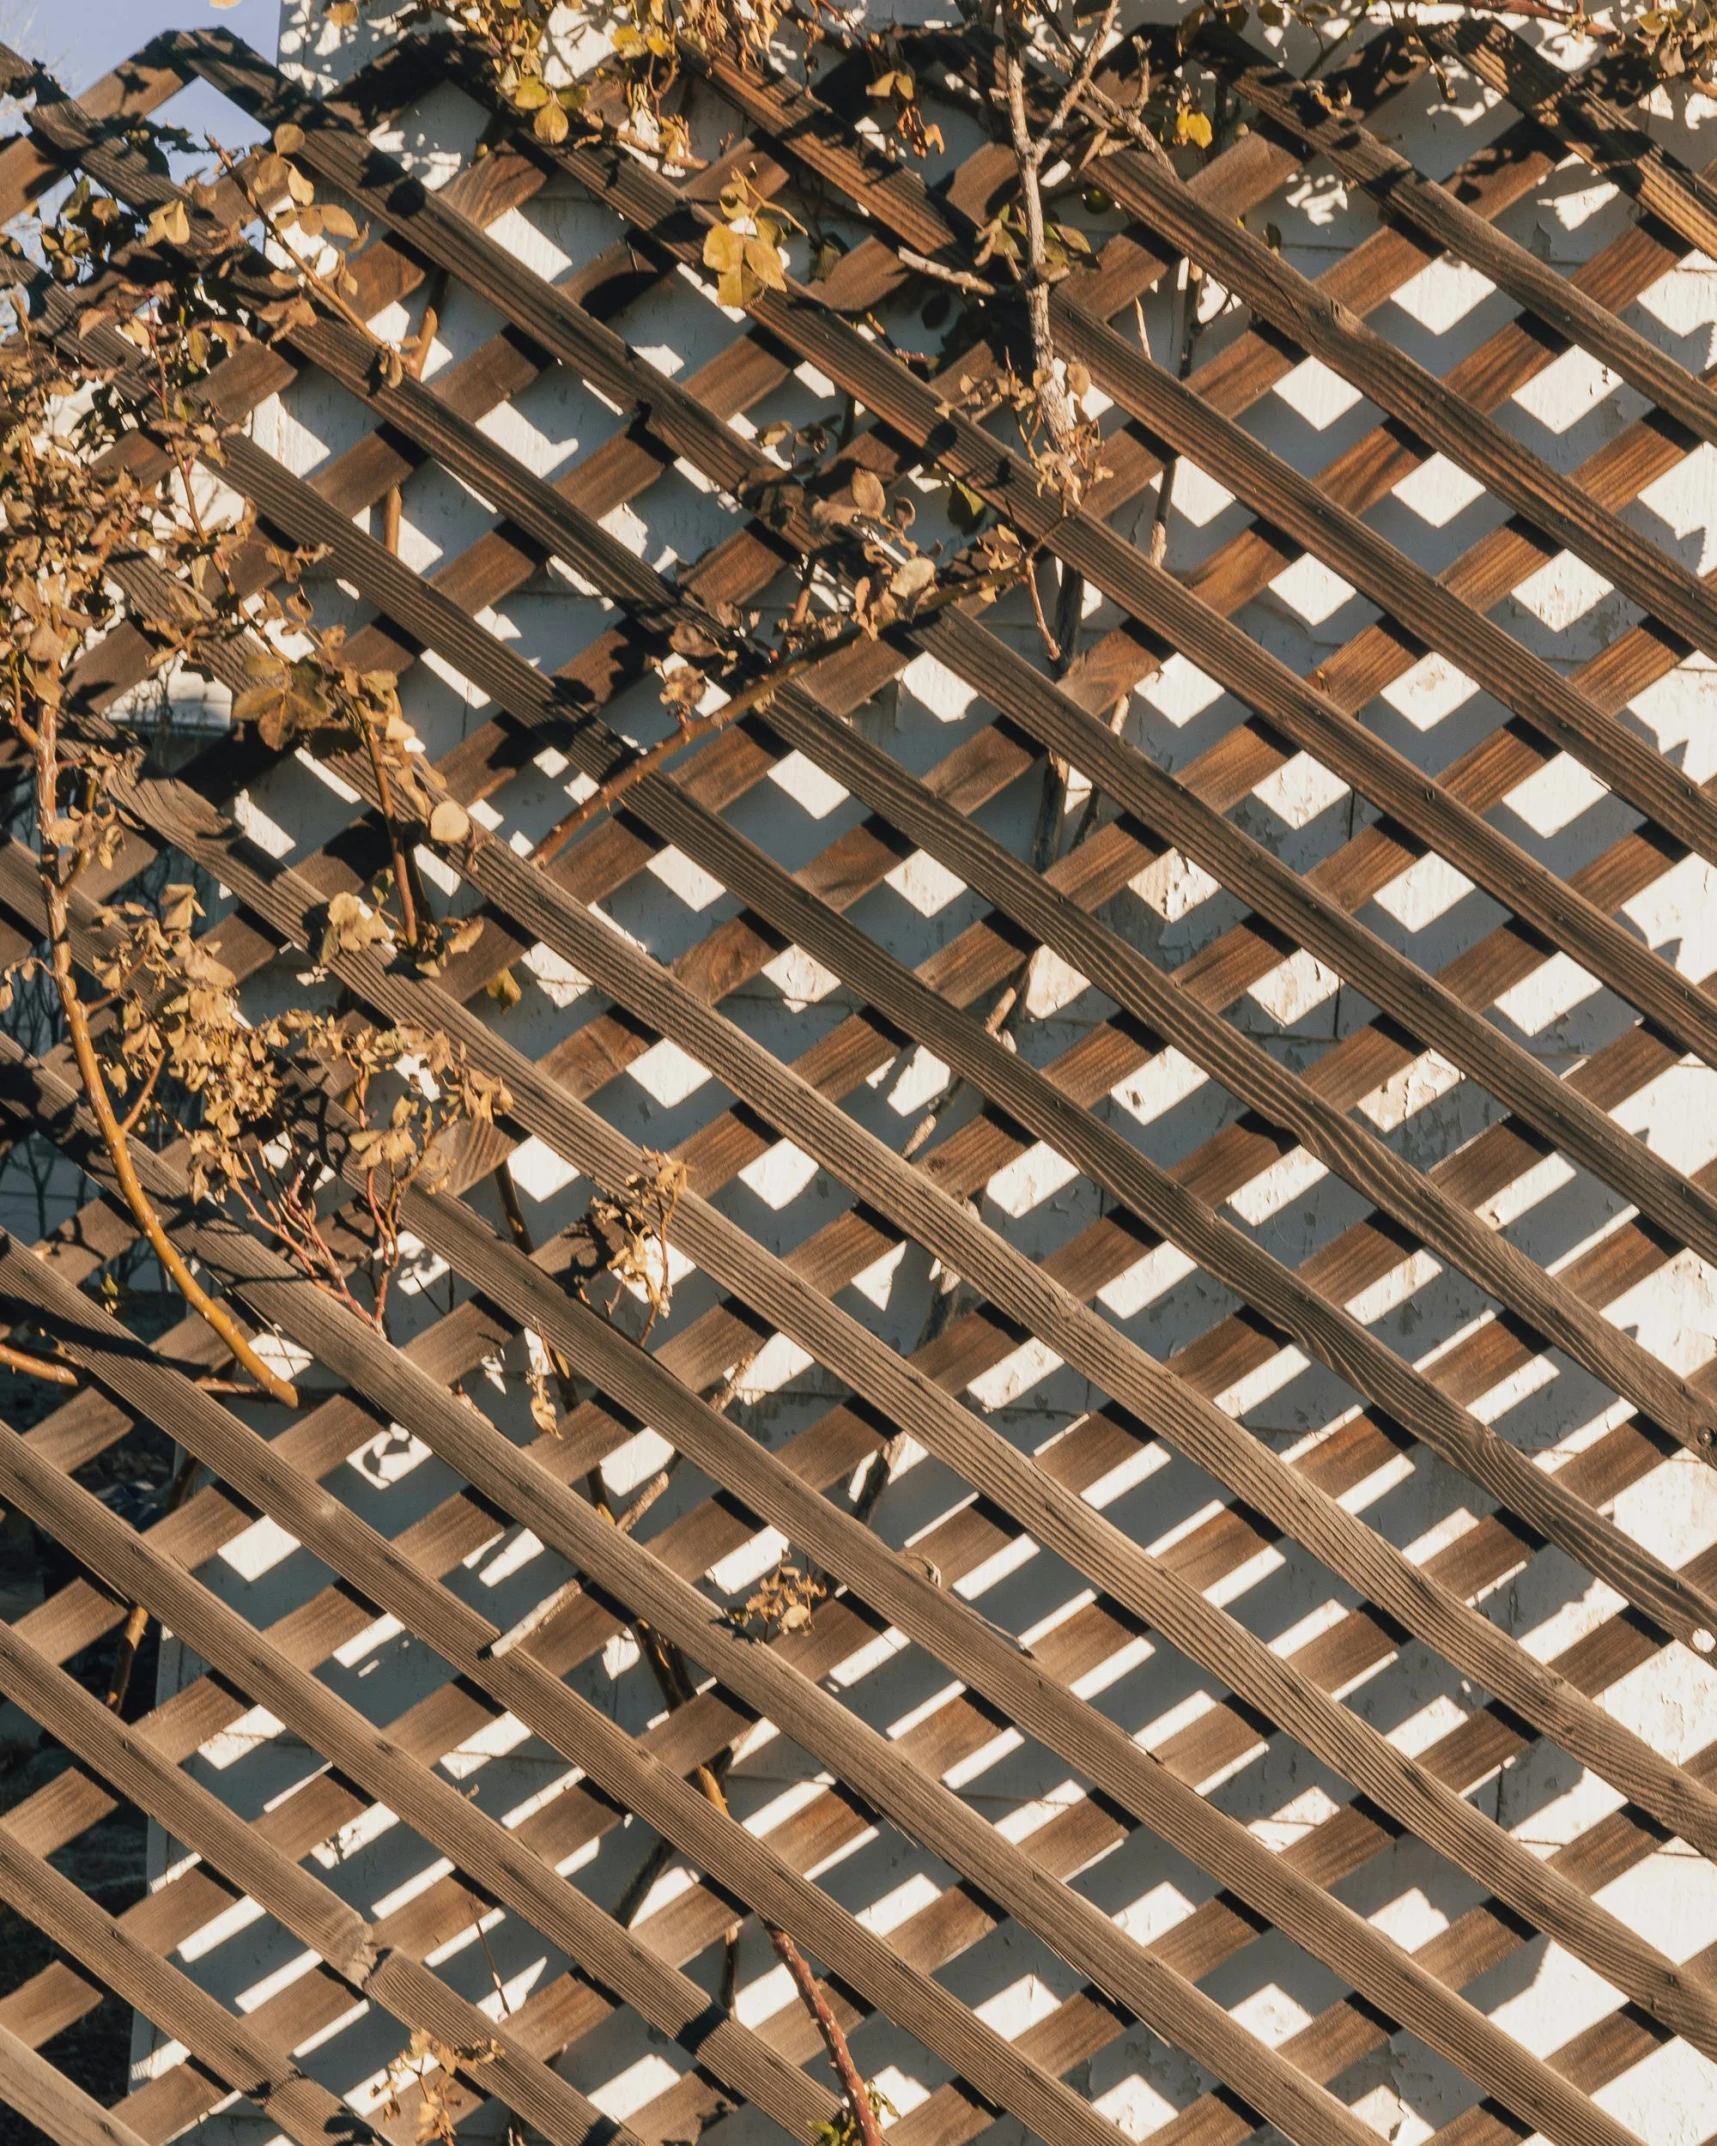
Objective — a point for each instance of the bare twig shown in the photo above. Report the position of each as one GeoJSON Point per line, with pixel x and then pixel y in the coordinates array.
{"type": "Point", "coordinates": [962, 279]}
{"type": "Point", "coordinates": [36, 1367]}
{"type": "Point", "coordinates": [757, 694]}
{"type": "Point", "coordinates": [97, 1092]}
{"type": "Point", "coordinates": [1053, 401]}
{"type": "Point", "coordinates": [137, 1617]}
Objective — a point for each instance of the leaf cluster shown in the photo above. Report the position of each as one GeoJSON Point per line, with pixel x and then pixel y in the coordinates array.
{"type": "Point", "coordinates": [626, 1235]}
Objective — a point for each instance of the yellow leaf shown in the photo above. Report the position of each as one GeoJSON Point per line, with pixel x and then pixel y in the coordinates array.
{"type": "Point", "coordinates": [1192, 126]}
{"type": "Point", "coordinates": [765, 264]}
{"type": "Point", "coordinates": [723, 249]}
{"type": "Point", "coordinates": [169, 226]}
{"type": "Point", "coordinates": [732, 288]}
{"type": "Point", "coordinates": [551, 124]}
{"type": "Point", "coordinates": [288, 137]}
{"type": "Point", "coordinates": [531, 94]}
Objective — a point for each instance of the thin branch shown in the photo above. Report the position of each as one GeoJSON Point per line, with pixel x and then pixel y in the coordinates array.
{"type": "Point", "coordinates": [1052, 398]}
{"type": "Point", "coordinates": [761, 690]}
{"type": "Point", "coordinates": [961, 278]}
{"type": "Point", "coordinates": [137, 1617]}
{"type": "Point", "coordinates": [1085, 71]}
{"type": "Point", "coordinates": [96, 1090]}
{"type": "Point", "coordinates": [36, 1367]}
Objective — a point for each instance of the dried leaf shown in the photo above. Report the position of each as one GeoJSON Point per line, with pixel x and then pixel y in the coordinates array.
{"type": "Point", "coordinates": [286, 702]}
{"type": "Point", "coordinates": [868, 494]}
{"type": "Point", "coordinates": [910, 581]}
{"type": "Point", "coordinates": [764, 263]}
{"type": "Point", "coordinates": [449, 822]}
{"type": "Point", "coordinates": [179, 907]}
{"type": "Point", "coordinates": [169, 225]}
{"type": "Point", "coordinates": [689, 639]}
{"type": "Point", "coordinates": [723, 249]}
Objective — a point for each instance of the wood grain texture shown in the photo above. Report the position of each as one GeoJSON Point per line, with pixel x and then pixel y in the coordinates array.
{"type": "Point", "coordinates": [814, 1100]}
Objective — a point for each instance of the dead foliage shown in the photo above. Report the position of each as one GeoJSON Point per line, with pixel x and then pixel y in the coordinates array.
{"type": "Point", "coordinates": [625, 1234]}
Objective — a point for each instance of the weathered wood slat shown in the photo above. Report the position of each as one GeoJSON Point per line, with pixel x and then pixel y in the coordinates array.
{"type": "Point", "coordinates": [681, 1613]}
{"type": "Point", "coordinates": [348, 1567]}
{"type": "Point", "coordinates": [1061, 1320]}
{"type": "Point", "coordinates": [1400, 194]}
{"type": "Point", "coordinates": [1357, 1552]}
{"type": "Point", "coordinates": [134, 90]}
{"type": "Point", "coordinates": [558, 528]}
{"type": "Point", "coordinates": [961, 1638]}
{"type": "Point", "coordinates": [190, 1813]}
{"type": "Point", "coordinates": [392, 1776]}
{"type": "Point", "coordinates": [1530, 890]}
{"type": "Point", "coordinates": [1579, 117]}
{"type": "Point", "coordinates": [303, 1903]}
{"type": "Point", "coordinates": [230, 2047]}
{"type": "Point", "coordinates": [692, 844]}
{"type": "Point", "coordinates": [1152, 1194]}
{"type": "Point", "coordinates": [46, 2098]}
{"type": "Point", "coordinates": [1427, 607]}
{"type": "Point", "coordinates": [934, 1007]}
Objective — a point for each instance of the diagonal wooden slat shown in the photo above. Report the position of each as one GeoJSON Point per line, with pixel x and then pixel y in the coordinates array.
{"type": "Point", "coordinates": [946, 1230]}
{"type": "Point", "coordinates": [820, 910]}
{"type": "Point", "coordinates": [1212, 1045]}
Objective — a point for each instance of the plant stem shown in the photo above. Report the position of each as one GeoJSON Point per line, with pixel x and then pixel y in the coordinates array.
{"type": "Point", "coordinates": [137, 1619]}
{"type": "Point", "coordinates": [396, 847]}
{"type": "Point", "coordinates": [853, 2088]}
{"type": "Point", "coordinates": [97, 1093]}
{"type": "Point", "coordinates": [36, 1367]}
{"type": "Point", "coordinates": [436, 298]}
